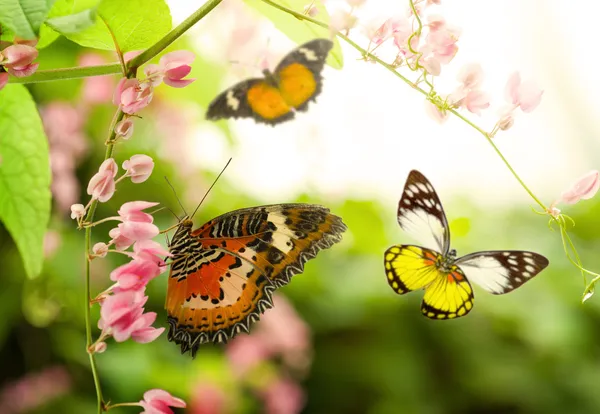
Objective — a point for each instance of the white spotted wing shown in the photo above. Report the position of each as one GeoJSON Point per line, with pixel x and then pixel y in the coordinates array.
{"type": "Point", "coordinates": [421, 215]}
{"type": "Point", "coordinates": [500, 272]}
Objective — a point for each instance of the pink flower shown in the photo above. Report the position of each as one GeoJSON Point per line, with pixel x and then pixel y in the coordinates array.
{"type": "Point", "coordinates": [436, 22]}
{"type": "Point", "coordinates": [435, 113]}
{"type": "Point", "coordinates": [525, 95]}
{"type": "Point", "coordinates": [136, 230]}
{"type": "Point", "coordinates": [340, 21]}
{"type": "Point", "coordinates": [132, 211]}
{"type": "Point", "coordinates": [208, 398]}
{"type": "Point", "coordinates": [18, 60]}
{"type": "Point", "coordinates": [135, 275]}
{"type": "Point", "coordinates": [284, 396]}
{"type": "Point", "coordinates": [77, 211]}
{"type": "Point", "coordinates": [139, 167]}
{"type": "Point", "coordinates": [583, 189]}
{"type": "Point", "coordinates": [245, 352]}
{"type": "Point", "coordinates": [151, 251]}
{"type": "Point", "coordinates": [124, 129]}
{"type": "Point", "coordinates": [158, 402]}
{"type": "Point", "coordinates": [132, 96]}
{"type": "Point", "coordinates": [3, 79]}
{"type": "Point", "coordinates": [507, 120]}
{"type": "Point", "coordinates": [100, 249]}
{"type": "Point", "coordinates": [476, 100]}
{"type": "Point", "coordinates": [95, 89]}
{"type": "Point", "coordinates": [471, 75]}
{"type": "Point", "coordinates": [355, 3]}
{"type": "Point", "coordinates": [442, 44]}
{"type": "Point", "coordinates": [122, 316]}
{"type": "Point", "coordinates": [99, 347]}
{"type": "Point", "coordinates": [102, 184]}
{"type": "Point", "coordinates": [311, 10]}
{"type": "Point", "coordinates": [176, 66]}
{"type": "Point", "coordinates": [121, 242]}
{"type": "Point", "coordinates": [136, 225]}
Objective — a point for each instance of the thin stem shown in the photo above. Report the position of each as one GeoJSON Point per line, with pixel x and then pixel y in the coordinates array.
{"type": "Point", "coordinates": [131, 404]}
{"type": "Point", "coordinates": [88, 321]}
{"type": "Point", "coordinates": [172, 35]}
{"type": "Point", "coordinates": [68, 73]}
{"type": "Point", "coordinates": [88, 295]}
{"type": "Point", "coordinates": [114, 68]}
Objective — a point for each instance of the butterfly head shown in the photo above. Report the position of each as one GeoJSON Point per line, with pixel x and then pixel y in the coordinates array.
{"type": "Point", "coordinates": [183, 230]}
{"type": "Point", "coordinates": [270, 77]}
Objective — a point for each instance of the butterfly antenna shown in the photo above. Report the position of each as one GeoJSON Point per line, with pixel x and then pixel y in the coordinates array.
{"type": "Point", "coordinates": [211, 186]}
{"type": "Point", "coordinates": [178, 200]}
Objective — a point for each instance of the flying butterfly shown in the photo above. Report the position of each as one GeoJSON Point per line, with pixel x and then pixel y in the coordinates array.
{"type": "Point", "coordinates": [444, 277]}
{"type": "Point", "coordinates": [276, 97]}
{"type": "Point", "coordinates": [223, 274]}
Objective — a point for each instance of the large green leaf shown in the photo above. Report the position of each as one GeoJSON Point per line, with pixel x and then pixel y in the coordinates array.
{"type": "Point", "coordinates": [24, 175]}
{"type": "Point", "coordinates": [66, 16]}
{"type": "Point", "coordinates": [136, 24]}
{"type": "Point", "coordinates": [300, 31]}
{"type": "Point", "coordinates": [24, 17]}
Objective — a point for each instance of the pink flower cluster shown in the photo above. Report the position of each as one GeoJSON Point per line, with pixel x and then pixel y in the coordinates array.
{"type": "Point", "coordinates": [64, 125]}
{"type": "Point", "coordinates": [122, 313]}
{"type": "Point", "coordinates": [280, 335]}
{"type": "Point", "coordinates": [424, 42]}
{"type": "Point", "coordinates": [17, 60]}
{"type": "Point", "coordinates": [132, 95]}
{"type": "Point", "coordinates": [34, 390]}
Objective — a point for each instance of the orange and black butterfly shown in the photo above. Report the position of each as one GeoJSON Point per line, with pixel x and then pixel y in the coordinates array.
{"type": "Point", "coordinates": [224, 273]}
{"type": "Point", "coordinates": [275, 97]}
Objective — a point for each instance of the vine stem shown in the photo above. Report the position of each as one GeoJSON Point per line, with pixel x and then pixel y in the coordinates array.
{"type": "Point", "coordinates": [110, 144]}
{"type": "Point", "coordinates": [114, 68]}
{"type": "Point", "coordinates": [392, 69]}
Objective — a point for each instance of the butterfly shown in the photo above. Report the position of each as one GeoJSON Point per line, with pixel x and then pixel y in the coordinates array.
{"type": "Point", "coordinates": [223, 274]}
{"type": "Point", "coordinates": [445, 278]}
{"type": "Point", "coordinates": [275, 97]}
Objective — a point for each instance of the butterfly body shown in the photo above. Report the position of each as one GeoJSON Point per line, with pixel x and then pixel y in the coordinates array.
{"type": "Point", "coordinates": [437, 270]}
{"type": "Point", "coordinates": [276, 96]}
{"type": "Point", "coordinates": [224, 273]}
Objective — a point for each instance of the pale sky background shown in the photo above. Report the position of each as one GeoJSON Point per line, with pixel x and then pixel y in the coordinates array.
{"type": "Point", "coordinates": [368, 129]}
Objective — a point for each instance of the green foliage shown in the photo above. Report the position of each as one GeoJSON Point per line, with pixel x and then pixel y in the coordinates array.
{"type": "Point", "coordinates": [297, 30]}
{"type": "Point", "coordinates": [24, 175]}
{"type": "Point", "coordinates": [136, 24]}
{"type": "Point", "coordinates": [67, 16]}
{"type": "Point", "coordinates": [24, 17]}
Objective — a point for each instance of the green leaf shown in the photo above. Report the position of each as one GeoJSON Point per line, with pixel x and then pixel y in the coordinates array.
{"type": "Point", "coordinates": [300, 31]}
{"type": "Point", "coordinates": [63, 8]}
{"type": "Point", "coordinates": [136, 24]}
{"type": "Point", "coordinates": [73, 23]}
{"type": "Point", "coordinates": [24, 17]}
{"type": "Point", "coordinates": [24, 175]}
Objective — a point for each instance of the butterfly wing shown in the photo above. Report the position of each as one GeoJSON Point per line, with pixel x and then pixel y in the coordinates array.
{"type": "Point", "coordinates": [447, 294]}
{"type": "Point", "coordinates": [299, 73]}
{"type": "Point", "coordinates": [421, 215]}
{"type": "Point", "coordinates": [223, 274]}
{"type": "Point", "coordinates": [252, 98]}
{"type": "Point", "coordinates": [500, 272]}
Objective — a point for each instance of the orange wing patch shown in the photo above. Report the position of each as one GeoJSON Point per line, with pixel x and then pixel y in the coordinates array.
{"type": "Point", "coordinates": [297, 84]}
{"type": "Point", "coordinates": [223, 274]}
{"type": "Point", "coordinates": [266, 101]}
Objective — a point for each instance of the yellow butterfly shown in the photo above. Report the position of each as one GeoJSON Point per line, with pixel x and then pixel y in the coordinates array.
{"type": "Point", "coordinates": [448, 293]}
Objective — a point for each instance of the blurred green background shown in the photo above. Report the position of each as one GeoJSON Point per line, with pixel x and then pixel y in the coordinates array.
{"type": "Point", "coordinates": [345, 344]}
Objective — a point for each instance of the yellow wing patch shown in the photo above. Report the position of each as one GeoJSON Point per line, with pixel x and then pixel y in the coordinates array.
{"type": "Point", "coordinates": [266, 101]}
{"type": "Point", "coordinates": [447, 294]}
{"type": "Point", "coordinates": [296, 84]}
